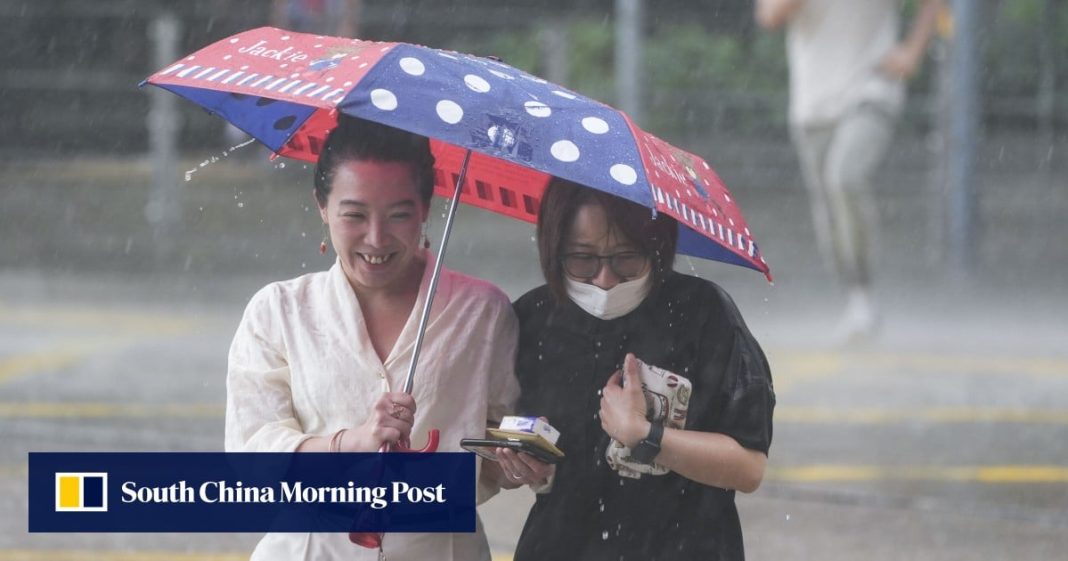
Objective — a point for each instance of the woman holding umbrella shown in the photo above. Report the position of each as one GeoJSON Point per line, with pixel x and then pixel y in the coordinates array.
{"type": "Point", "coordinates": [612, 300]}
{"type": "Point", "coordinates": [318, 362]}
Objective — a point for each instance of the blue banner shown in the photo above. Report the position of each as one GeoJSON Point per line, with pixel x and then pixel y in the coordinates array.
{"type": "Point", "coordinates": [251, 492]}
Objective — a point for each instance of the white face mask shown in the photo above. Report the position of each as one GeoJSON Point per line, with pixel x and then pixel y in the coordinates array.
{"type": "Point", "coordinates": [615, 302]}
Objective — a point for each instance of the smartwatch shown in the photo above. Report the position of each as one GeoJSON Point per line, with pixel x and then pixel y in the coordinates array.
{"type": "Point", "coordinates": [648, 447]}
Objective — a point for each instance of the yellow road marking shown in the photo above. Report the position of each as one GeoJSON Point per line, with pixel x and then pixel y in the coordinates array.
{"type": "Point", "coordinates": [879, 415]}
{"type": "Point", "coordinates": [783, 414]}
{"type": "Point", "coordinates": [111, 320]}
{"type": "Point", "coordinates": [823, 363]}
{"type": "Point", "coordinates": [994, 475]}
{"type": "Point", "coordinates": [82, 410]}
{"type": "Point", "coordinates": [14, 470]}
{"type": "Point", "coordinates": [789, 369]}
{"type": "Point", "coordinates": [125, 327]}
{"type": "Point", "coordinates": [53, 359]}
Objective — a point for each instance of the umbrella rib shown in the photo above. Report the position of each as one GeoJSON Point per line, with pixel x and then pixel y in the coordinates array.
{"type": "Point", "coordinates": [425, 317]}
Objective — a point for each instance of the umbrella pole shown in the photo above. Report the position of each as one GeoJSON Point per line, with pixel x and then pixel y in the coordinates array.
{"type": "Point", "coordinates": [374, 539]}
{"type": "Point", "coordinates": [425, 317]}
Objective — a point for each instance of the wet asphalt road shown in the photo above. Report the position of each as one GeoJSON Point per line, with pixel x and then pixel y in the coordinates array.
{"type": "Point", "coordinates": [946, 437]}
{"type": "Point", "coordinates": [903, 448]}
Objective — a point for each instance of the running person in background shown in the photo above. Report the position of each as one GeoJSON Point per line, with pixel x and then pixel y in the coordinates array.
{"type": "Point", "coordinates": [847, 89]}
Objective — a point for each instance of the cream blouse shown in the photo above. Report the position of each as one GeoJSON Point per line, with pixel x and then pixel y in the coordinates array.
{"type": "Point", "coordinates": [302, 365]}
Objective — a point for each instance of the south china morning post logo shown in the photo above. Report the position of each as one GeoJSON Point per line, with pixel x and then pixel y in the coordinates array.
{"type": "Point", "coordinates": [81, 492]}
{"type": "Point", "coordinates": [250, 492]}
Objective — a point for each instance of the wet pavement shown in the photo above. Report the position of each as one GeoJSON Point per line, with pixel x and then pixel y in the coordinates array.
{"type": "Point", "coordinates": [946, 437]}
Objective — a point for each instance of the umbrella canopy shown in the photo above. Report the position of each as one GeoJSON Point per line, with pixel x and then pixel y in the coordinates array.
{"type": "Point", "coordinates": [286, 90]}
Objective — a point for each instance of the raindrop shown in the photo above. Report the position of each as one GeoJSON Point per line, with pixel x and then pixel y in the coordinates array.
{"type": "Point", "coordinates": [303, 234]}
{"type": "Point", "coordinates": [201, 209]}
{"type": "Point", "coordinates": [242, 145]}
{"type": "Point", "coordinates": [240, 205]}
{"type": "Point", "coordinates": [602, 504]}
{"type": "Point", "coordinates": [693, 270]}
{"type": "Point", "coordinates": [539, 357]}
{"type": "Point", "coordinates": [303, 265]}
{"type": "Point", "coordinates": [787, 517]}
{"type": "Point", "coordinates": [281, 165]}
{"type": "Point", "coordinates": [604, 535]}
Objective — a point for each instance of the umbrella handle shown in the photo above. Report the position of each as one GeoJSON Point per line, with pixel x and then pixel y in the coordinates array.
{"type": "Point", "coordinates": [433, 436]}
{"type": "Point", "coordinates": [373, 540]}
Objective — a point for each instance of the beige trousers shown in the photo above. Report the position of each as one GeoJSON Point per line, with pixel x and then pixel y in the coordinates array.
{"type": "Point", "coordinates": [838, 162]}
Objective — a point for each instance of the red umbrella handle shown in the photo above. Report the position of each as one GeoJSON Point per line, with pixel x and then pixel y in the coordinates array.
{"type": "Point", "coordinates": [373, 540]}
{"type": "Point", "coordinates": [433, 436]}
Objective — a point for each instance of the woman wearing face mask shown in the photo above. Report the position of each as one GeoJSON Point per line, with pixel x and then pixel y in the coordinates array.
{"type": "Point", "coordinates": [319, 362]}
{"type": "Point", "coordinates": [610, 300]}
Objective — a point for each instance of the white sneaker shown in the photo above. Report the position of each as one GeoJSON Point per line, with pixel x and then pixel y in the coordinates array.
{"type": "Point", "coordinates": [860, 320]}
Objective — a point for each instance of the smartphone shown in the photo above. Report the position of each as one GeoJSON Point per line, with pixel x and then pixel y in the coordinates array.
{"type": "Point", "coordinates": [484, 447]}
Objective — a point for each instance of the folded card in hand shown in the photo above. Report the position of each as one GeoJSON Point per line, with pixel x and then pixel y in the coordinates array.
{"type": "Point", "coordinates": [667, 401]}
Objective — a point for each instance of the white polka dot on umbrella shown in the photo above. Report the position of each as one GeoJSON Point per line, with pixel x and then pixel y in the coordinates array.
{"type": "Point", "coordinates": [595, 125]}
{"type": "Point", "coordinates": [383, 99]}
{"type": "Point", "coordinates": [450, 111]}
{"type": "Point", "coordinates": [564, 150]}
{"type": "Point", "coordinates": [623, 174]}
{"type": "Point", "coordinates": [476, 83]}
{"type": "Point", "coordinates": [537, 109]}
{"type": "Point", "coordinates": [412, 66]}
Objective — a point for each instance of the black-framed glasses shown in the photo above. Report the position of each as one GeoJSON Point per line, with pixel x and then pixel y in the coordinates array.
{"type": "Point", "coordinates": [585, 266]}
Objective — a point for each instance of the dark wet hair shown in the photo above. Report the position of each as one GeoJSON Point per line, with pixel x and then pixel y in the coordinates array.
{"type": "Point", "coordinates": [357, 140]}
{"type": "Point", "coordinates": [561, 201]}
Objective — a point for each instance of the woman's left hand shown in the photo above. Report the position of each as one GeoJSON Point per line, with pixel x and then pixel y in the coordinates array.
{"type": "Point", "coordinates": [520, 468]}
{"type": "Point", "coordinates": [623, 407]}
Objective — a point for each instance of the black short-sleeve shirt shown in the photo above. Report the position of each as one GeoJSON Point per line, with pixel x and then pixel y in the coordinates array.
{"type": "Point", "coordinates": [687, 325]}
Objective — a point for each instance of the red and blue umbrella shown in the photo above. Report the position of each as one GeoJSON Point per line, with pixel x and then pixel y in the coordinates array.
{"type": "Point", "coordinates": [498, 134]}
{"type": "Point", "coordinates": [286, 89]}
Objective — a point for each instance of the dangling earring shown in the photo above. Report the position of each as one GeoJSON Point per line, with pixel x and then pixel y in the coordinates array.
{"type": "Point", "coordinates": [426, 239]}
{"type": "Point", "coordinates": [326, 238]}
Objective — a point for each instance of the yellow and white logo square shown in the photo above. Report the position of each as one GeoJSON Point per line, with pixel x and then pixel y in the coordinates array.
{"type": "Point", "coordinates": [81, 492]}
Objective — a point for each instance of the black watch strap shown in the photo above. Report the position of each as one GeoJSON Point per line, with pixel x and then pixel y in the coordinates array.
{"type": "Point", "coordinates": [648, 447]}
